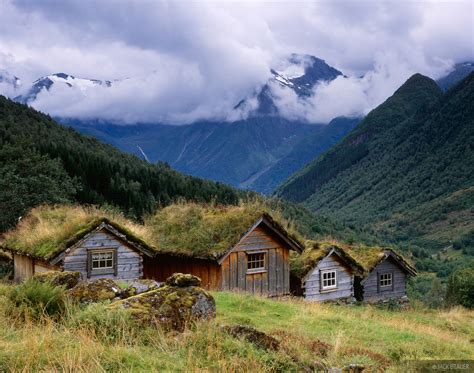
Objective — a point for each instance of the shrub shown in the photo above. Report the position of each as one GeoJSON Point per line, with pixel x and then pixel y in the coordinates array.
{"type": "Point", "coordinates": [460, 289]}
{"type": "Point", "coordinates": [35, 300]}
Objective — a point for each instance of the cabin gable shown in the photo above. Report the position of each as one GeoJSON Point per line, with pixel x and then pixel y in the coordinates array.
{"type": "Point", "coordinates": [386, 280]}
{"type": "Point", "coordinates": [330, 279]}
{"type": "Point", "coordinates": [101, 254]}
{"type": "Point", "coordinates": [257, 264]}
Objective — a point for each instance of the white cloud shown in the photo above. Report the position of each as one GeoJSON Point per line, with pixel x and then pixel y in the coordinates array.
{"type": "Point", "coordinates": [192, 60]}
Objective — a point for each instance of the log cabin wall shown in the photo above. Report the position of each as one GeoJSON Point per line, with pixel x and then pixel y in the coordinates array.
{"type": "Point", "coordinates": [163, 266]}
{"type": "Point", "coordinates": [274, 280]}
{"type": "Point", "coordinates": [371, 287]}
{"type": "Point", "coordinates": [129, 262]}
{"type": "Point", "coordinates": [344, 281]}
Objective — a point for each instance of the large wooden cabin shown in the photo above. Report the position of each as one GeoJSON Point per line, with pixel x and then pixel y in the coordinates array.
{"type": "Point", "coordinates": [256, 261]}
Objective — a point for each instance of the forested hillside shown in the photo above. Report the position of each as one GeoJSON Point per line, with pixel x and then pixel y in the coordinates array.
{"type": "Point", "coordinates": [42, 161]}
{"type": "Point", "coordinates": [406, 173]}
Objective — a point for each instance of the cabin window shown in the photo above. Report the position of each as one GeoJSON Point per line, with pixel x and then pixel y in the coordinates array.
{"type": "Point", "coordinates": [102, 262]}
{"type": "Point", "coordinates": [328, 279]}
{"type": "Point", "coordinates": [255, 262]}
{"type": "Point", "coordinates": [385, 280]}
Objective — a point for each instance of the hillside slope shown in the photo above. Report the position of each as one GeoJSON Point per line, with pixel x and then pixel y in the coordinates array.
{"type": "Point", "coordinates": [42, 161]}
{"type": "Point", "coordinates": [311, 336]}
{"type": "Point", "coordinates": [406, 172]}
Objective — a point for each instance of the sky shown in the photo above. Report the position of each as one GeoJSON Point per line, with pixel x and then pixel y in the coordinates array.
{"type": "Point", "coordinates": [183, 61]}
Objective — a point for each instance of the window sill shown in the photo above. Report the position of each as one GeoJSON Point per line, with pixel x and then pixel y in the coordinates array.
{"type": "Point", "coordinates": [97, 272]}
{"type": "Point", "coordinates": [255, 271]}
{"type": "Point", "coordinates": [328, 290]}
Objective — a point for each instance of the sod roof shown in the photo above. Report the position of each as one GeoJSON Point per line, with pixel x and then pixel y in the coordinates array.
{"type": "Point", "coordinates": [367, 257]}
{"type": "Point", "coordinates": [46, 231]}
{"type": "Point", "coordinates": [182, 229]}
{"type": "Point", "coordinates": [301, 265]}
{"type": "Point", "coordinates": [210, 231]}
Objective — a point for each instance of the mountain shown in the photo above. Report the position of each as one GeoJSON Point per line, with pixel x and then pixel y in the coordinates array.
{"type": "Point", "coordinates": [42, 161]}
{"type": "Point", "coordinates": [459, 72]}
{"type": "Point", "coordinates": [257, 153]}
{"type": "Point", "coordinates": [60, 79]}
{"type": "Point", "coordinates": [300, 73]}
{"type": "Point", "coordinates": [406, 172]}
{"type": "Point", "coordinates": [248, 153]}
{"type": "Point", "coordinates": [222, 151]}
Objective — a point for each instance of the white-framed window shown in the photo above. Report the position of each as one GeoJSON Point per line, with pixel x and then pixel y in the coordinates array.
{"type": "Point", "coordinates": [329, 279]}
{"type": "Point", "coordinates": [255, 262]}
{"type": "Point", "coordinates": [102, 262]}
{"type": "Point", "coordinates": [385, 280]}
{"type": "Point", "coordinates": [102, 259]}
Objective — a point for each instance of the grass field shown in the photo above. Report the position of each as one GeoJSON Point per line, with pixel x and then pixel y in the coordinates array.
{"type": "Point", "coordinates": [95, 339]}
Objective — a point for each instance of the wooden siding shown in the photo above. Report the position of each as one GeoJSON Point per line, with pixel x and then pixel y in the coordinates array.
{"type": "Point", "coordinates": [129, 262]}
{"type": "Point", "coordinates": [273, 281]}
{"type": "Point", "coordinates": [23, 267]}
{"type": "Point", "coordinates": [163, 266]}
{"type": "Point", "coordinates": [371, 289]}
{"type": "Point", "coordinates": [344, 277]}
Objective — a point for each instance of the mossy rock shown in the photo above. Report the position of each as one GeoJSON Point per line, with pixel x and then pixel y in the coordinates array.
{"type": "Point", "coordinates": [138, 287]}
{"type": "Point", "coordinates": [57, 278]}
{"type": "Point", "coordinates": [95, 291]}
{"type": "Point", "coordinates": [260, 339]}
{"type": "Point", "coordinates": [183, 280]}
{"type": "Point", "coordinates": [171, 307]}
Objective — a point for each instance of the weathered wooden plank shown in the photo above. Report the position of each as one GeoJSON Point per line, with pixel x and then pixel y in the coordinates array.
{"type": "Point", "coordinates": [279, 271]}
{"type": "Point", "coordinates": [225, 277]}
{"type": "Point", "coordinates": [286, 272]}
{"type": "Point", "coordinates": [257, 284]}
{"type": "Point", "coordinates": [234, 271]}
{"type": "Point", "coordinates": [242, 270]}
{"type": "Point", "coordinates": [265, 289]}
{"type": "Point", "coordinates": [272, 278]}
{"type": "Point", "coordinates": [249, 283]}
{"type": "Point", "coordinates": [255, 246]}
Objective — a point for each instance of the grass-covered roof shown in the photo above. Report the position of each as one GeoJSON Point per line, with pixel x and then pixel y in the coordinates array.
{"type": "Point", "coordinates": [208, 231]}
{"type": "Point", "coordinates": [186, 229]}
{"type": "Point", "coordinates": [46, 231]}
{"type": "Point", "coordinates": [301, 265]}
{"type": "Point", "coordinates": [367, 257]}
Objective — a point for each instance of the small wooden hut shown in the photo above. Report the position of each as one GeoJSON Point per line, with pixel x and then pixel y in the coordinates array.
{"type": "Point", "coordinates": [68, 238]}
{"type": "Point", "coordinates": [384, 277]}
{"type": "Point", "coordinates": [324, 273]}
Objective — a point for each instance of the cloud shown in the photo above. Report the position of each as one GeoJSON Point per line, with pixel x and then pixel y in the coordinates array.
{"type": "Point", "coordinates": [190, 60]}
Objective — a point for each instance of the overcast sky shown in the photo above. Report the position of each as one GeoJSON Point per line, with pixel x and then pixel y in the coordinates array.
{"type": "Point", "coordinates": [194, 60]}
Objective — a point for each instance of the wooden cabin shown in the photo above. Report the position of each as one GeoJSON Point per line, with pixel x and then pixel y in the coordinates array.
{"type": "Point", "coordinates": [237, 248]}
{"type": "Point", "coordinates": [255, 260]}
{"type": "Point", "coordinates": [329, 274]}
{"type": "Point", "coordinates": [103, 250]}
{"type": "Point", "coordinates": [384, 278]}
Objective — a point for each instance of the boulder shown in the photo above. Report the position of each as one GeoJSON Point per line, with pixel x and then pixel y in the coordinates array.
{"type": "Point", "coordinates": [136, 287]}
{"type": "Point", "coordinates": [260, 339]}
{"type": "Point", "coordinates": [95, 291]}
{"type": "Point", "coordinates": [58, 278]}
{"type": "Point", "coordinates": [183, 280]}
{"type": "Point", "coordinates": [171, 307]}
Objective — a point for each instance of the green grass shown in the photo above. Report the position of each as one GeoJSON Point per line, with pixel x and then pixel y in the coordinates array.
{"type": "Point", "coordinates": [94, 339]}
